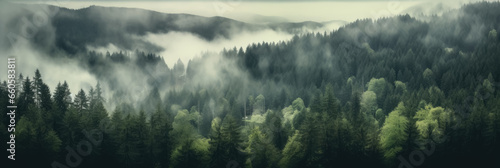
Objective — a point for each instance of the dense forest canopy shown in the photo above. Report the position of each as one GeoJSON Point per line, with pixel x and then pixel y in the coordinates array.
{"type": "Point", "coordinates": [391, 92]}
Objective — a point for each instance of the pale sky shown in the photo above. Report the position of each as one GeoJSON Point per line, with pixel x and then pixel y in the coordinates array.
{"type": "Point", "coordinates": [243, 10]}
{"type": "Point", "coordinates": [254, 12]}
{"type": "Point", "coordinates": [186, 46]}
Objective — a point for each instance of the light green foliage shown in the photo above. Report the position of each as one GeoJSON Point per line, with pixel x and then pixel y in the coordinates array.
{"type": "Point", "coordinates": [379, 115]}
{"type": "Point", "coordinates": [350, 81]}
{"type": "Point", "coordinates": [222, 106]}
{"type": "Point", "coordinates": [400, 87]}
{"type": "Point", "coordinates": [492, 34]}
{"type": "Point", "coordinates": [192, 153]}
{"type": "Point", "coordinates": [52, 142]}
{"type": "Point", "coordinates": [368, 48]}
{"type": "Point", "coordinates": [427, 73]}
{"type": "Point", "coordinates": [378, 86]}
{"type": "Point", "coordinates": [488, 85]}
{"type": "Point", "coordinates": [393, 134]}
{"type": "Point", "coordinates": [298, 104]}
{"type": "Point", "coordinates": [215, 124]}
{"type": "Point", "coordinates": [262, 152]}
{"type": "Point", "coordinates": [201, 144]}
{"type": "Point", "coordinates": [259, 105]}
{"type": "Point", "coordinates": [351, 115]}
{"type": "Point", "coordinates": [372, 133]}
{"type": "Point", "coordinates": [232, 140]}
{"type": "Point", "coordinates": [369, 102]}
{"type": "Point", "coordinates": [485, 90]}
{"type": "Point", "coordinates": [259, 118]}
{"type": "Point", "coordinates": [293, 152]}
{"type": "Point", "coordinates": [184, 125]}
{"type": "Point", "coordinates": [435, 95]}
{"type": "Point", "coordinates": [255, 120]}
{"type": "Point", "coordinates": [428, 76]}
{"type": "Point", "coordinates": [251, 100]}
{"type": "Point", "coordinates": [290, 112]}
{"type": "Point", "coordinates": [431, 121]}
{"type": "Point", "coordinates": [175, 108]}
{"type": "Point", "coordinates": [216, 142]}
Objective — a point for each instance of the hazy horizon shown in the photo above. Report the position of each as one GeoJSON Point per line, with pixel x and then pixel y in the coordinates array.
{"type": "Point", "coordinates": [287, 11]}
{"type": "Point", "coordinates": [333, 13]}
{"type": "Point", "coordinates": [281, 84]}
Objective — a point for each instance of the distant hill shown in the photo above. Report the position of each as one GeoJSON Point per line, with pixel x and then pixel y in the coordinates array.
{"type": "Point", "coordinates": [99, 26]}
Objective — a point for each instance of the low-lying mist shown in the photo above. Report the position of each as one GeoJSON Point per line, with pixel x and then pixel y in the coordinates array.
{"type": "Point", "coordinates": [53, 71]}
{"type": "Point", "coordinates": [172, 46]}
{"type": "Point", "coordinates": [185, 46]}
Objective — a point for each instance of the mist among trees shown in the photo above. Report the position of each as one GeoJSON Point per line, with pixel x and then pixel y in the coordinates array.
{"type": "Point", "coordinates": [391, 92]}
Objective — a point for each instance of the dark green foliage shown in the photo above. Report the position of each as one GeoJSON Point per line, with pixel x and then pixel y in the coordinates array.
{"type": "Point", "coordinates": [161, 142]}
{"type": "Point", "coordinates": [371, 100]}
{"type": "Point", "coordinates": [26, 98]}
{"type": "Point", "coordinates": [81, 102]}
{"type": "Point", "coordinates": [188, 156]}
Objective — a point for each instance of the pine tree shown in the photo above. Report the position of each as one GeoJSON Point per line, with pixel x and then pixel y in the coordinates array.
{"type": "Point", "coordinates": [355, 115]}
{"type": "Point", "coordinates": [98, 93]}
{"type": "Point", "coordinates": [142, 131]}
{"type": "Point", "coordinates": [226, 143]}
{"type": "Point", "coordinates": [274, 129]}
{"type": "Point", "coordinates": [293, 153]}
{"type": "Point", "coordinates": [231, 136]}
{"type": "Point", "coordinates": [331, 101]}
{"type": "Point", "coordinates": [59, 94]}
{"type": "Point", "coordinates": [41, 143]}
{"type": "Point", "coordinates": [25, 100]}
{"type": "Point", "coordinates": [91, 98]}
{"type": "Point", "coordinates": [127, 139]}
{"type": "Point", "coordinates": [61, 107]}
{"type": "Point", "coordinates": [262, 152]}
{"type": "Point", "coordinates": [81, 102]}
{"type": "Point", "coordinates": [191, 153]}
{"type": "Point", "coordinates": [71, 127]}
{"type": "Point", "coordinates": [45, 97]}
{"type": "Point", "coordinates": [161, 142]}
{"type": "Point", "coordinates": [67, 94]}
{"type": "Point", "coordinates": [37, 87]}
{"type": "Point", "coordinates": [216, 145]}
{"type": "Point", "coordinates": [46, 105]}
{"type": "Point", "coordinates": [152, 100]}
{"type": "Point", "coordinates": [19, 85]}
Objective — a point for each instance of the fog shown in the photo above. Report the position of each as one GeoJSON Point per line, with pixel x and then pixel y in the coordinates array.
{"type": "Point", "coordinates": [186, 46]}
{"type": "Point", "coordinates": [261, 12]}
{"type": "Point", "coordinates": [18, 44]}
{"type": "Point", "coordinates": [283, 11]}
{"type": "Point", "coordinates": [333, 13]}
{"type": "Point", "coordinates": [53, 71]}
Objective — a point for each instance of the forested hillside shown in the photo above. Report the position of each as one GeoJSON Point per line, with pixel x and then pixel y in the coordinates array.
{"type": "Point", "coordinates": [73, 31]}
{"type": "Point", "coordinates": [391, 92]}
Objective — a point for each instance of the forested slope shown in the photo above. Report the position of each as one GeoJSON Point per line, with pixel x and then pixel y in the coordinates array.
{"type": "Point", "coordinates": [392, 92]}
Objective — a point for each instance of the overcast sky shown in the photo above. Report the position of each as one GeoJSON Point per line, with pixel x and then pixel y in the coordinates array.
{"type": "Point", "coordinates": [186, 46]}
{"type": "Point", "coordinates": [248, 10]}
